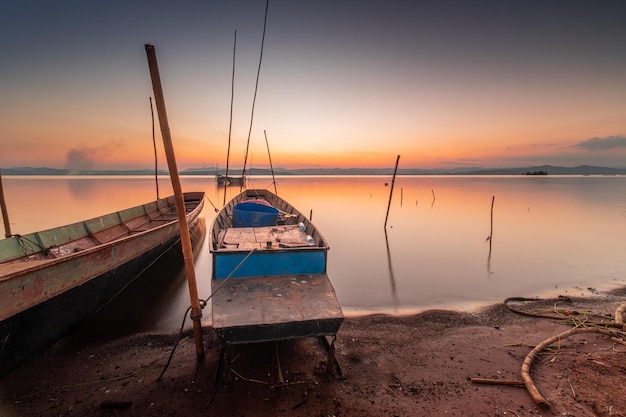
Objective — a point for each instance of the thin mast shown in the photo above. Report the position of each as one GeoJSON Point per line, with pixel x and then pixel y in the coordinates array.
{"type": "Point", "coordinates": [230, 126]}
{"type": "Point", "coordinates": [245, 159]}
{"type": "Point", "coordinates": [271, 166]}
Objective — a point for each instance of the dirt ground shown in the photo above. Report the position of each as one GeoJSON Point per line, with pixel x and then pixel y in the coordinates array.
{"type": "Point", "coordinates": [436, 363]}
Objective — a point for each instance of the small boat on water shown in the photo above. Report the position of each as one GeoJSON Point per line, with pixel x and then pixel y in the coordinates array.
{"type": "Point", "coordinates": [223, 180]}
{"type": "Point", "coordinates": [54, 279]}
{"type": "Point", "coordinates": [269, 279]}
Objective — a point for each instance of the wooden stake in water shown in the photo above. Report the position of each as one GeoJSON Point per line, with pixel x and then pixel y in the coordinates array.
{"type": "Point", "coordinates": [493, 198]}
{"type": "Point", "coordinates": [185, 239]}
{"type": "Point", "coordinates": [393, 180]}
{"type": "Point", "coordinates": [5, 214]}
{"type": "Point", "coordinates": [490, 238]}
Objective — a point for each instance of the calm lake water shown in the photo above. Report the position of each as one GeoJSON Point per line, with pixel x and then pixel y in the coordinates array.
{"type": "Point", "coordinates": [552, 235]}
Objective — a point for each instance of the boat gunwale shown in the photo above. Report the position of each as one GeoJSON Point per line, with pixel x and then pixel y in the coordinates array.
{"type": "Point", "coordinates": [225, 217]}
{"type": "Point", "coordinates": [28, 266]}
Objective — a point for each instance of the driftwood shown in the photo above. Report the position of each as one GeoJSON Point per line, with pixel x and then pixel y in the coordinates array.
{"type": "Point", "coordinates": [620, 313]}
{"type": "Point", "coordinates": [497, 382]}
{"type": "Point", "coordinates": [528, 381]}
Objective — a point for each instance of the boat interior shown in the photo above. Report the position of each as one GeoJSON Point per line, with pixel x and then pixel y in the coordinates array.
{"type": "Point", "coordinates": [76, 237]}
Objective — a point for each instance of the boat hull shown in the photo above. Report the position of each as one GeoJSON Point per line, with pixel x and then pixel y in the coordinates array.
{"type": "Point", "coordinates": [275, 308]}
{"type": "Point", "coordinates": [262, 263]}
{"type": "Point", "coordinates": [270, 282]}
{"type": "Point", "coordinates": [43, 302]}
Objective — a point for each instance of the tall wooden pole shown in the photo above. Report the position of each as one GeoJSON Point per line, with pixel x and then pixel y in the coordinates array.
{"type": "Point", "coordinates": [5, 213]}
{"type": "Point", "coordinates": [196, 311]}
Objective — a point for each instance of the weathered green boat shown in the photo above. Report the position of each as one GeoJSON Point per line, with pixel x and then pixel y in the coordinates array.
{"type": "Point", "coordinates": [54, 279]}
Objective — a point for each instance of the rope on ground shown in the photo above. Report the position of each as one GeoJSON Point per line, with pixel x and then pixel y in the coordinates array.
{"type": "Point", "coordinates": [613, 333]}
{"type": "Point", "coordinates": [203, 303]}
{"type": "Point", "coordinates": [566, 315]}
{"type": "Point", "coordinates": [533, 313]}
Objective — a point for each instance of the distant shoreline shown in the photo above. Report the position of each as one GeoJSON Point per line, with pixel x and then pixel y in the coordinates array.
{"type": "Point", "coordinates": [529, 170]}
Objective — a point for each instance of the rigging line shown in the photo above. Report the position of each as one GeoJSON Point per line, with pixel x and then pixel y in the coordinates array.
{"type": "Point", "coordinates": [203, 304]}
{"type": "Point", "coordinates": [147, 266]}
{"type": "Point", "coordinates": [230, 126]}
{"type": "Point", "coordinates": [209, 200]}
{"type": "Point", "coordinates": [245, 159]}
{"type": "Point", "coordinates": [229, 275]}
{"type": "Point", "coordinates": [21, 239]}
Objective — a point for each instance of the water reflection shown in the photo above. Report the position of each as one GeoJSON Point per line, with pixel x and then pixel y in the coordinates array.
{"type": "Point", "coordinates": [392, 279]}
{"type": "Point", "coordinates": [556, 232]}
{"type": "Point", "coordinates": [146, 303]}
{"type": "Point", "coordinates": [490, 239]}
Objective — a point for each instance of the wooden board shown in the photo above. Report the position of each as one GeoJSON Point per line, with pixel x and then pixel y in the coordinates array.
{"type": "Point", "coordinates": [275, 308]}
{"type": "Point", "coordinates": [250, 237]}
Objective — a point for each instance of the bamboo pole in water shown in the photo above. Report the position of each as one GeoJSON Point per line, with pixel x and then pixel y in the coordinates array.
{"type": "Point", "coordinates": [490, 237]}
{"type": "Point", "coordinates": [493, 199]}
{"type": "Point", "coordinates": [5, 213]}
{"type": "Point", "coordinates": [393, 180]}
{"type": "Point", "coordinates": [196, 311]}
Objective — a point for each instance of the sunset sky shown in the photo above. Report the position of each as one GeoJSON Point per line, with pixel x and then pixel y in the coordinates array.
{"type": "Point", "coordinates": [444, 84]}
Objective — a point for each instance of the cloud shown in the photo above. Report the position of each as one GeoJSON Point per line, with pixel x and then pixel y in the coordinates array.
{"type": "Point", "coordinates": [602, 144]}
{"type": "Point", "coordinates": [85, 157]}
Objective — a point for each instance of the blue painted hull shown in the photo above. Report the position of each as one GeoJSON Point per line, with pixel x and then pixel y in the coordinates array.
{"type": "Point", "coordinates": [277, 250]}
{"type": "Point", "coordinates": [276, 263]}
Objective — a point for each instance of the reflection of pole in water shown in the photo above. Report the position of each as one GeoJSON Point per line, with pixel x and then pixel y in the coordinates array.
{"type": "Point", "coordinates": [433, 203]}
{"type": "Point", "coordinates": [392, 279]}
{"type": "Point", "coordinates": [490, 237]}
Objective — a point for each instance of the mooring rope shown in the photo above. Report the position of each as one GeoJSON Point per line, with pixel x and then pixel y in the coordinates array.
{"type": "Point", "coordinates": [21, 239]}
{"type": "Point", "coordinates": [203, 303]}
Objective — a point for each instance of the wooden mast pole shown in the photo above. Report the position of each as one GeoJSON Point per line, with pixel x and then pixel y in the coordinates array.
{"type": "Point", "coordinates": [230, 124]}
{"type": "Point", "coordinates": [271, 166]}
{"type": "Point", "coordinates": [196, 311]}
{"type": "Point", "coordinates": [5, 213]}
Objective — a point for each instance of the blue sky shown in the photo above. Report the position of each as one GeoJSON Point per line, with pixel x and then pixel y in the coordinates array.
{"type": "Point", "coordinates": [342, 83]}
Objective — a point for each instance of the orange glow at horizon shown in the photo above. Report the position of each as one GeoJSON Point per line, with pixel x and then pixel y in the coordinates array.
{"type": "Point", "coordinates": [443, 87]}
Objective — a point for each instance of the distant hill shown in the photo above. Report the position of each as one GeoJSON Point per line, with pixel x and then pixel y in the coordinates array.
{"type": "Point", "coordinates": [552, 170]}
{"type": "Point", "coordinates": [543, 169]}
{"type": "Point", "coordinates": [33, 171]}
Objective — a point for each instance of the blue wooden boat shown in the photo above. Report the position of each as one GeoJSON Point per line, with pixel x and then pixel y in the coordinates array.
{"type": "Point", "coordinates": [269, 282]}
{"type": "Point", "coordinates": [279, 249]}
{"type": "Point", "coordinates": [53, 279]}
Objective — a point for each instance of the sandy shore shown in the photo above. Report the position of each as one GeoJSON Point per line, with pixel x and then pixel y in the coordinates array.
{"type": "Point", "coordinates": [434, 363]}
